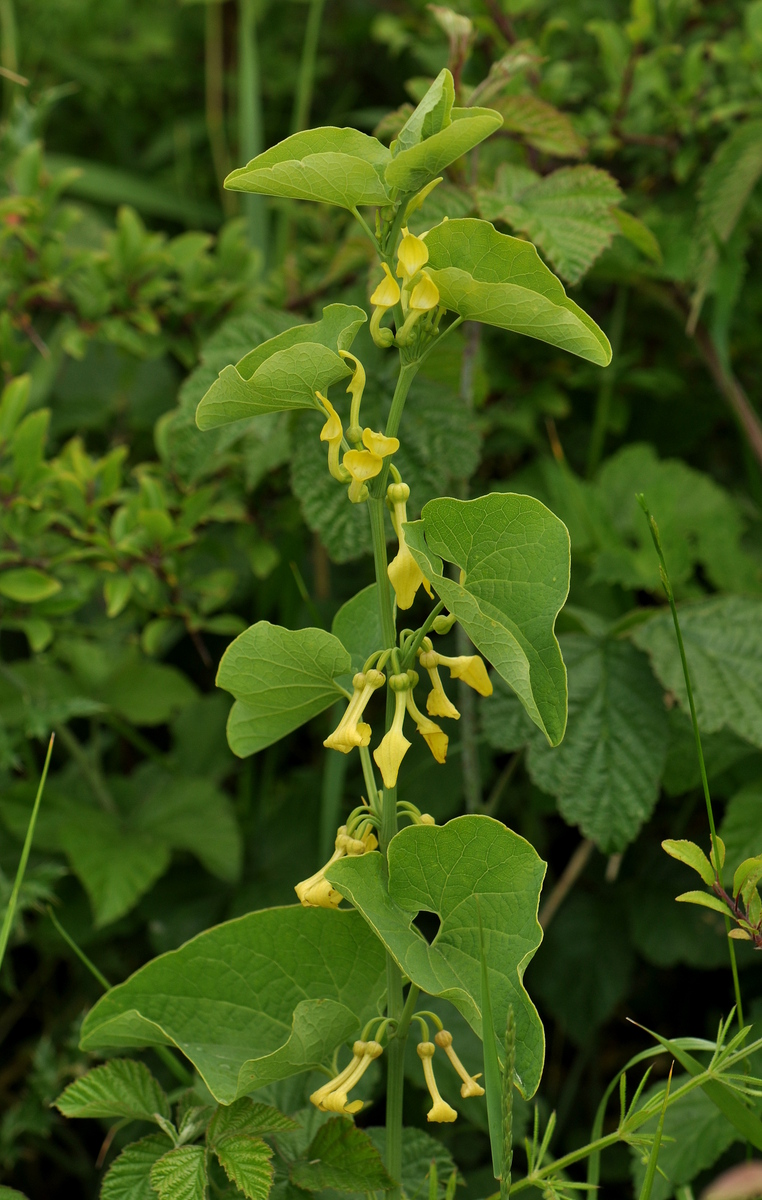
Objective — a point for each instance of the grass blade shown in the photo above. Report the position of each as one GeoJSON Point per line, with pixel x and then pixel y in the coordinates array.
{"type": "Point", "coordinates": [653, 1158]}
{"type": "Point", "coordinates": [492, 1082]}
{"type": "Point", "coordinates": [10, 912]}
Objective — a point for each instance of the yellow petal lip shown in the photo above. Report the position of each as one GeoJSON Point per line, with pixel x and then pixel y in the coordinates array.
{"type": "Point", "coordinates": [379, 443]}
{"type": "Point", "coordinates": [436, 739]}
{"type": "Point", "coordinates": [425, 295]}
{"type": "Point", "coordinates": [362, 464]}
{"type": "Point", "coordinates": [441, 1113]}
{"type": "Point", "coordinates": [389, 755]}
{"type": "Point", "coordinates": [387, 294]}
{"type": "Point", "coordinates": [471, 669]}
{"type": "Point", "coordinates": [405, 576]}
{"type": "Point", "coordinates": [411, 256]}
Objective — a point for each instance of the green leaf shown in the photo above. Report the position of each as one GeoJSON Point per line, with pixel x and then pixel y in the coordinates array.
{"type": "Point", "coordinates": [747, 877]}
{"type": "Point", "coordinates": [100, 183]}
{"type": "Point", "coordinates": [488, 276]}
{"type": "Point", "coordinates": [8, 1193]}
{"type": "Point", "coordinates": [450, 870]}
{"type": "Point", "coordinates": [129, 1176]}
{"type": "Point", "coordinates": [540, 125]}
{"type": "Point", "coordinates": [357, 625]}
{"type": "Point", "coordinates": [194, 815]}
{"type": "Point", "coordinates": [693, 856]}
{"type": "Point", "coordinates": [248, 1117]}
{"type": "Point", "coordinates": [704, 900]}
{"type": "Point", "coordinates": [419, 1151]}
{"type": "Point", "coordinates": [283, 373]}
{"type": "Point", "coordinates": [607, 770]}
{"type": "Point", "coordinates": [343, 1158]}
{"type": "Point", "coordinates": [27, 585]}
{"type": "Point", "coordinates": [723, 645]}
{"type": "Point", "coordinates": [120, 1088]}
{"type": "Point", "coordinates": [741, 828]}
{"type": "Point", "coordinates": [280, 678]}
{"type": "Point", "coordinates": [246, 1162]}
{"type": "Point", "coordinates": [181, 1174]}
{"type": "Point", "coordinates": [514, 558]}
{"type": "Point", "coordinates": [431, 116]}
{"type": "Point", "coordinates": [147, 693]}
{"type": "Point", "coordinates": [638, 234]}
{"type": "Point", "coordinates": [254, 1000]}
{"type": "Point", "coordinates": [330, 165]}
{"type": "Point", "coordinates": [411, 169]}
{"type": "Point", "coordinates": [567, 214]}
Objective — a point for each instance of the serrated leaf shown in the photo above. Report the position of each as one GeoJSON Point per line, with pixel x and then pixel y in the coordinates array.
{"type": "Point", "coordinates": [541, 125]}
{"type": "Point", "coordinates": [419, 1151]}
{"type": "Point", "coordinates": [330, 165]}
{"type": "Point", "coordinates": [280, 678]}
{"type": "Point", "coordinates": [704, 900]}
{"type": "Point", "coordinates": [27, 585]}
{"type": "Point", "coordinates": [723, 644]}
{"type": "Point", "coordinates": [248, 1117]}
{"type": "Point", "coordinates": [448, 870]}
{"type": "Point", "coordinates": [411, 169]}
{"type": "Point", "coordinates": [514, 555]}
{"type": "Point", "coordinates": [607, 770]}
{"type": "Point", "coordinates": [246, 1162]}
{"type": "Point", "coordinates": [251, 1001]}
{"type": "Point", "coordinates": [181, 1174]}
{"type": "Point", "coordinates": [342, 1158]}
{"type": "Point", "coordinates": [692, 855]}
{"type": "Point", "coordinates": [129, 1176]}
{"type": "Point", "coordinates": [567, 214]}
{"type": "Point", "coordinates": [120, 1088]}
{"type": "Point", "coordinates": [488, 276]}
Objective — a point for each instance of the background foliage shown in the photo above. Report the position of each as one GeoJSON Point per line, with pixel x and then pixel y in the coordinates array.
{"type": "Point", "coordinates": [134, 547]}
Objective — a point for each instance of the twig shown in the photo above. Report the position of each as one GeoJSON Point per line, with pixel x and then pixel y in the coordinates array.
{"type": "Point", "coordinates": [503, 21]}
{"type": "Point", "coordinates": [569, 877]}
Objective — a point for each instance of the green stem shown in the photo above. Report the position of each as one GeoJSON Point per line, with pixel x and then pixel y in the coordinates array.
{"type": "Point", "coordinates": [10, 911]}
{"type": "Point", "coordinates": [697, 738]}
{"type": "Point", "coordinates": [8, 48]}
{"type": "Point", "coordinates": [306, 80]}
{"type": "Point", "coordinates": [214, 80]}
{"type": "Point", "coordinates": [87, 769]}
{"type": "Point", "coordinates": [378, 533]}
{"type": "Point", "coordinates": [250, 134]}
{"type": "Point", "coordinates": [415, 645]}
{"type": "Point", "coordinates": [408, 372]}
{"type": "Point", "coordinates": [606, 389]}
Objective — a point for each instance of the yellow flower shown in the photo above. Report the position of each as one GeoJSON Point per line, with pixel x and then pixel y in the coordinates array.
{"type": "Point", "coordinates": [379, 443]}
{"type": "Point", "coordinates": [351, 731]}
{"type": "Point", "coordinates": [435, 738]}
{"type": "Point", "coordinates": [317, 892]}
{"type": "Point", "coordinates": [386, 295]}
{"type": "Point", "coordinates": [404, 573]}
{"type": "Point", "coordinates": [471, 669]}
{"type": "Point", "coordinates": [332, 433]}
{"type": "Point", "coordinates": [470, 1087]}
{"type": "Point", "coordinates": [440, 1110]}
{"type": "Point", "coordinates": [394, 746]}
{"type": "Point", "coordinates": [411, 256]}
{"type": "Point", "coordinates": [335, 1099]}
{"type": "Point", "coordinates": [362, 465]}
{"type": "Point", "coordinates": [355, 389]}
{"type": "Point", "coordinates": [425, 294]}
{"type": "Point", "coordinates": [437, 703]}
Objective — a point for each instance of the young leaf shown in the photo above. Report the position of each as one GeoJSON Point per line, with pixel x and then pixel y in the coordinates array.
{"type": "Point", "coordinates": [246, 1162]}
{"type": "Point", "coordinates": [692, 855]}
{"type": "Point", "coordinates": [343, 1158]}
{"type": "Point", "coordinates": [488, 276]}
{"type": "Point", "coordinates": [248, 1117]}
{"type": "Point", "coordinates": [181, 1174]}
{"type": "Point", "coordinates": [120, 1088]}
{"type": "Point", "coordinates": [280, 678]}
{"type": "Point", "coordinates": [287, 380]}
{"type": "Point", "coordinates": [330, 165]}
{"type": "Point", "coordinates": [448, 870]}
{"type": "Point", "coordinates": [747, 877]}
{"type": "Point", "coordinates": [432, 114]}
{"type": "Point", "coordinates": [27, 585]}
{"type": "Point", "coordinates": [704, 899]}
{"type": "Point", "coordinates": [129, 1176]}
{"type": "Point", "coordinates": [253, 1000]}
{"type": "Point", "coordinates": [514, 558]}
{"type": "Point", "coordinates": [411, 169]}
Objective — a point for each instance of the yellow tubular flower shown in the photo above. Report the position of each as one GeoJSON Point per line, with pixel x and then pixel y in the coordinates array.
{"type": "Point", "coordinates": [440, 1110]}
{"type": "Point", "coordinates": [361, 465]}
{"type": "Point", "coordinates": [379, 443]}
{"type": "Point", "coordinates": [355, 389]}
{"type": "Point", "coordinates": [404, 573]}
{"type": "Point", "coordinates": [394, 746]}
{"type": "Point", "coordinates": [317, 892]}
{"type": "Point", "coordinates": [317, 1098]}
{"type": "Point", "coordinates": [425, 294]}
{"type": "Point", "coordinates": [336, 1100]}
{"type": "Point", "coordinates": [386, 295]}
{"type": "Point", "coordinates": [437, 702]}
{"type": "Point", "coordinates": [471, 669]}
{"type": "Point", "coordinates": [411, 256]}
{"type": "Point", "coordinates": [470, 1086]}
{"type": "Point", "coordinates": [332, 433]}
{"type": "Point", "coordinates": [435, 738]}
{"type": "Point", "coordinates": [351, 731]}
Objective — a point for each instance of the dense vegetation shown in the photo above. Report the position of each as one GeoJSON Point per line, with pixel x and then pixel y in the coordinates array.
{"type": "Point", "coordinates": [136, 546]}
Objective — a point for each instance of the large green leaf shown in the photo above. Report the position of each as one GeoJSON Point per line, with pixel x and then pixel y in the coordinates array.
{"type": "Point", "coordinates": [607, 770]}
{"type": "Point", "coordinates": [723, 645]}
{"type": "Point", "coordinates": [120, 1088]}
{"type": "Point", "coordinates": [335, 166]}
{"type": "Point", "coordinates": [470, 864]}
{"type": "Point", "coordinates": [280, 678]}
{"type": "Point", "coordinates": [411, 169]}
{"type": "Point", "coordinates": [343, 1158]}
{"type": "Point", "coordinates": [257, 999]}
{"type": "Point", "coordinates": [357, 625]}
{"type": "Point", "coordinates": [284, 372]}
{"type": "Point", "coordinates": [181, 1174]}
{"type": "Point", "coordinates": [514, 559]}
{"type": "Point", "coordinates": [488, 276]}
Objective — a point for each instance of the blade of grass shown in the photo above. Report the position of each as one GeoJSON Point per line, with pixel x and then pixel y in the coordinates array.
{"type": "Point", "coordinates": [10, 912]}
{"type": "Point", "coordinates": [653, 1158]}
{"type": "Point", "coordinates": [492, 1081]}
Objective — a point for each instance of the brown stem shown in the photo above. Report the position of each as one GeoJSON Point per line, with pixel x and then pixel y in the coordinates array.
{"type": "Point", "coordinates": [569, 877]}
{"type": "Point", "coordinates": [502, 21]}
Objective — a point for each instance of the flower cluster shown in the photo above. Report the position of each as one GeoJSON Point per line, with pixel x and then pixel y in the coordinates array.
{"type": "Point", "coordinates": [417, 296]}
{"type": "Point", "coordinates": [364, 459]}
{"type": "Point", "coordinates": [332, 1096]}
{"type": "Point", "coordinates": [441, 1111]}
{"type": "Point", "coordinates": [317, 892]}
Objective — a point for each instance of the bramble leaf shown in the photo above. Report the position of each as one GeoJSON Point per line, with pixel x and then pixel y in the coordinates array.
{"type": "Point", "coordinates": [488, 276]}
{"type": "Point", "coordinates": [449, 870]}
{"type": "Point", "coordinates": [540, 125]}
{"type": "Point", "coordinates": [280, 678]}
{"type": "Point", "coordinates": [343, 1158]}
{"type": "Point", "coordinates": [129, 1176]}
{"type": "Point", "coordinates": [246, 1162]}
{"type": "Point", "coordinates": [120, 1088]}
{"type": "Point", "coordinates": [248, 1117]}
{"type": "Point", "coordinates": [514, 558]}
{"type": "Point", "coordinates": [251, 1001]}
{"type": "Point", "coordinates": [181, 1174]}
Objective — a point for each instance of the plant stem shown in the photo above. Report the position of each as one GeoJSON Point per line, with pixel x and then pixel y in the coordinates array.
{"type": "Point", "coordinates": [215, 100]}
{"type": "Point", "coordinates": [250, 134]}
{"type": "Point", "coordinates": [8, 48]}
{"type": "Point", "coordinates": [605, 391]}
{"type": "Point", "coordinates": [10, 911]}
{"type": "Point", "coordinates": [306, 80]}
{"type": "Point", "coordinates": [414, 645]}
{"type": "Point", "coordinates": [87, 769]}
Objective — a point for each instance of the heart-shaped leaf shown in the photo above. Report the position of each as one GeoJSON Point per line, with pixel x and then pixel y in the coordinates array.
{"type": "Point", "coordinates": [469, 865]}
{"type": "Point", "coordinates": [514, 558]}
{"type": "Point", "coordinates": [254, 1000]}
{"type": "Point", "coordinates": [488, 276]}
